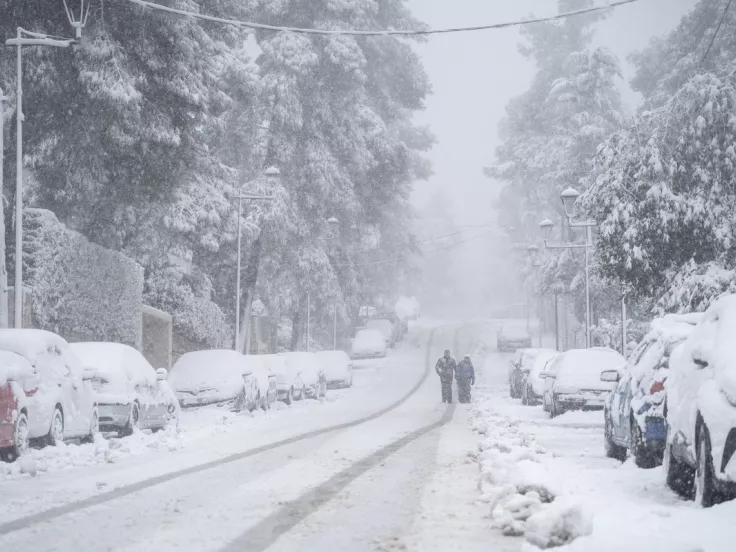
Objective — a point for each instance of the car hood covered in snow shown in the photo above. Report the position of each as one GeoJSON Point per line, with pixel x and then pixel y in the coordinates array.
{"type": "Point", "coordinates": [369, 341]}
{"type": "Point", "coordinates": [216, 372]}
{"type": "Point", "coordinates": [335, 364]}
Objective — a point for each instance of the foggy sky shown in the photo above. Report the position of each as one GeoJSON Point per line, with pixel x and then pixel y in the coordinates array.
{"type": "Point", "coordinates": [474, 75]}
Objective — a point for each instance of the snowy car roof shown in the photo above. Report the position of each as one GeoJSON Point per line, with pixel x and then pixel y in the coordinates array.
{"type": "Point", "coordinates": [29, 343]}
{"type": "Point", "coordinates": [115, 360]}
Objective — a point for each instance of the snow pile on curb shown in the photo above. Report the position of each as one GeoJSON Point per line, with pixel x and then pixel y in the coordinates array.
{"type": "Point", "coordinates": [64, 457]}
{"type": "Point", "coordinates": [520, 492]}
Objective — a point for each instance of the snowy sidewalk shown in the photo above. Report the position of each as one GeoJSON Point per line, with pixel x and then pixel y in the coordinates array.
{"type": "Point", "coordinates": [550, 481]}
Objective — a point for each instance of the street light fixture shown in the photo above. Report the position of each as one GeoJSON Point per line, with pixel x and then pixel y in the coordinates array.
{"type": "Point", "coordinates": [24, 38]}
{"type": "Point", "coordinates": [568, 197]}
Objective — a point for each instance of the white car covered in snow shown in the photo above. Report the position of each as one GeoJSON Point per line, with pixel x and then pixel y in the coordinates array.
{"type": "Point", "coordinates": [387, 328]}
{"type": "Point", "coordinates": [129, 392]}
{"type": "Point", "coordinates": [573, 379]}
{"type": "Point", "coordinates": [210, 377]}
{"type": "Point", "coordinates": [532, 383]}
{"type": "Point", "coordinates": [265, 379]}
{"type": "Point", "coordinates": [286, 377]}
{"type": "Point", "coordinates": [309, 376]}
{"type": "Point", "coordinates": [700, 446]}
{"type": "Point", "coordinates": [57, 396]}
{"type": "Point", "coordinates": [338, 368]}
{"type": "Point", "coordinates": [369, 344]}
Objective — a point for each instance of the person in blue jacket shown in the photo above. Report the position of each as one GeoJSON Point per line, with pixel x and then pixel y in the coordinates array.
{"type": "Point", "coordinates": [465, 377]}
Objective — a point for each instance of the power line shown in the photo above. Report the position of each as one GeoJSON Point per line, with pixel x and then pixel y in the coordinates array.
{"type": "Point", "coordinates": [715, 34]}
{"type": "Point", "coordinates": [409, 32]}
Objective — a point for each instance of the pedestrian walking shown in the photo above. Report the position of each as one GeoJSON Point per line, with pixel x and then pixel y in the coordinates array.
{"type": "Point", "coordinates": [465, 376]}
{"type": "Point", "coordinates": [445, 369]}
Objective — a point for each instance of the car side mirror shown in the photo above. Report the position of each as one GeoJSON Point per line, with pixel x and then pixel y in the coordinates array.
{"type": "Point", "coordinates": [88, 374]}
{"type": "Point", "coordinates": [161, 374]}
{"type": "Point", "coordinates": [611, 376]}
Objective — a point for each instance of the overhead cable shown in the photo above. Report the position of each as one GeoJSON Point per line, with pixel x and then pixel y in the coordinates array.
{"type": "Point", "coordinates": [715, 34]}
{"type": "Point", "coordinates": [407, 32]}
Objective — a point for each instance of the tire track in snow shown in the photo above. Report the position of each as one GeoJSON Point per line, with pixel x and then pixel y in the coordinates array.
{"type": "Point", "coordinates": [53, 513]}
{"type": "Point", "coordinates": [265, 533]}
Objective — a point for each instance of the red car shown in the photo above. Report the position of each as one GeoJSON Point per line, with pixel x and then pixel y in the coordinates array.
{"type": "Point", "coordinates": [17, 384]}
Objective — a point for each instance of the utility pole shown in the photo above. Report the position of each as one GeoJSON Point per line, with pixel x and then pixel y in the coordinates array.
{"type": "Point", "coordinates": [3, 265]}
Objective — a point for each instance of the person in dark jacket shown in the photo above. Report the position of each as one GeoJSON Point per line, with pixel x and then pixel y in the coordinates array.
{"type": "Point", "coordinates": [445, 369]}
{"type": "Point", "coordinates": [465, 376]}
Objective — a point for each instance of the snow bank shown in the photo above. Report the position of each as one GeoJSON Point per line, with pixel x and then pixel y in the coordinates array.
{"type": "Point", "coordinates": [557, 525]}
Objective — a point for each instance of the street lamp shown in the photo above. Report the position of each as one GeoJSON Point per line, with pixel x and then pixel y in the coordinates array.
{"type": "Point", "coordinates": [568, 198]}
{"type": "Point", "coordinates": [3, 274]}
{"type": "Point", "coordinates": [25, 38]}
{"type": "Point", "coordinates": [272, 173]}
{"type": "Point", "coordinates": [533, 251]}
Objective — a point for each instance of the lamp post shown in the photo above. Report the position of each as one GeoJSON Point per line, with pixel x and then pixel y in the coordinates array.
{"type": "Point", "coordinates": [333, 223]}
{"type": "Point", "coordinates": [24, 38]}
{"type": "Point", "coordinates": [271, 174]}
{"type": "Point", "coordinates": [533, 251]}
{"type": "Point", "coordinates": [3, 273]}
{"type": "Point", "coordinates": [569, 197]}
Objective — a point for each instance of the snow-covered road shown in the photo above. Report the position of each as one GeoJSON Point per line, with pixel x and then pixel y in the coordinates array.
{"type": "Point", "coordinates": [362, 471]}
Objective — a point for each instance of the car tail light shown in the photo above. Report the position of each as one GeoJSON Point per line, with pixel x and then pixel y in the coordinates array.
{"type": "Point", "coordinates": [657, 386]}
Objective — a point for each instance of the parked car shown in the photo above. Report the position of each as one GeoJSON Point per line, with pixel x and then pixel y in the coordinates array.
{"type": "Point", "coordinates": [129, 392]}
{"type": "Point", "coordinates": [265, 379]}
{"type": "Point", "coordinates": [216, 376]}
{"type": "Point", "coordinates": [510, 338]}
{"type": "Point", "coordinates": [17, 386]}
{"type": "Point", "coordinates": [634, 411]}
{"type": "Point", "coordinates": [369, 344]}
{"type": "Point", "coordinates": [532, 384]}
{"type": "Point", "coordinates": [338, 368]}
{"type": "Point", "coordinates": [310, 378]}
{"type": "Point", "coordinates": [286, 376]}
{"type": "Point", "coordinates": [401, 325]}
{"type": "Point", "coordinates": [56, 396]}
{"type": "Point", "coordinates": [700, 408]}
{"type": "Point", "coordinates": [519, 362]}
{"type": "Point", "coordinates": [386, 327]}
{"type": "Point", "coordinates": [573, 379]}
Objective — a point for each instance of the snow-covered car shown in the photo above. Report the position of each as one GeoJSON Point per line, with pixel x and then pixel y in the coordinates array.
{"type": "Point", "coordinates": [369, 344]}
{"type": "Point", "coordinates": [212, 377]}
{"type": "Point", "coordinates": [129, 392]}
{"type": "Point", "coordinates": [57, 396]}
{"type": "Point", "coordinates": [511, 338]}
{"type": "Point", "coordinates": [265, 379]}
{"type": "Point", "coordinates": [17, 384]}
{"type": "Point", "coordinates": [634, 411]}
{"type": "Point", "coordinates": [700, 408]}
{"type": "Point", "coordinates": [310, 378]}
{"type": "Point", "coordinates": [338, 368]}
{"type": "Point", "coordinates": [532, 383]}
{"type": "Point", "coordinates": [386, 327]}
{"type": "Point", "coordinates": [519, 364]}
{"type": "Point", "coordinates": [573, 379]}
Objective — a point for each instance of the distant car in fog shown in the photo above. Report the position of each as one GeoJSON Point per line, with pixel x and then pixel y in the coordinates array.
{"type": "Point", "coordinates": [386, 327]}
{"type": "Point", "coordinates": [532, 385]}
{"type": "Point", "coordinates": [510, 338]}
{"type": "Point", "coordinates": [369, 344]}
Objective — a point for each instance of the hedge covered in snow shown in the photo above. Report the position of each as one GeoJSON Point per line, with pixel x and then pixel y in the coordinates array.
{"type": "Point", "coordinates": [79, 289]}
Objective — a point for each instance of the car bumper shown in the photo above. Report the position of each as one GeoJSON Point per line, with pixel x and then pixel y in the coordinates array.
{"type": "Point", "coordinates": [581, 402]}
{"type": "Point", "coordinates": [7, 434]}
{"type": "Point", "coordinates": [368, 354]}
{"type": "Point", "coordinates": [113, 415]}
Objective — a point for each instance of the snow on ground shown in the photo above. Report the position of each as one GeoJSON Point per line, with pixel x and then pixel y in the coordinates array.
{"type": "Point", "coordinates": [550, 482]}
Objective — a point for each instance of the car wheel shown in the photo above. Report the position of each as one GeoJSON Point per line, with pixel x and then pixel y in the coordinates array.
{"type": "Point", "coordinates": [611, 449]}
{"type": "Point", "coordinates": [134, 421]}
{"type": "Point", "coordinates": [289, 397]}
{"type": "Point", "coordinates": [94, 428]}
{"type": "Point", "coordinates": [525, 396]}
{"type": "Point", "coordinates": [56, 431]}
{"type": "Point", "coordinates": [643, 458]}
{"type": "Point", "coordinates": [553, 410]}
{"type": "Point", "coordinates": [21, 441]}
{"type": "Point", "coordinates": [678, 475]}
{"type": "Point", "coordinates": [704, 485]}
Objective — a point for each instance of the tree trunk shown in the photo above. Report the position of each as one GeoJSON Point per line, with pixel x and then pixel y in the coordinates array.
{"type": "Point", "coordinates": [296, 327]}
{"type": "Point", "coordinates": [251, 280]}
